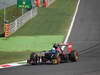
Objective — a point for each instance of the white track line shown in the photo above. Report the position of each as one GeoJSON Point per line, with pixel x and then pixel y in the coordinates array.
{"type": "Point", "coordinates": [72, 23]}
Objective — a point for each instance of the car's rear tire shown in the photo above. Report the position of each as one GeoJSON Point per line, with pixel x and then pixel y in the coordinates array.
{"type": "Point", "coordinates": [73, 56]}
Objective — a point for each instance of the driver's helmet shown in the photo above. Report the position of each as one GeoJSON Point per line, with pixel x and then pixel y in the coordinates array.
{"type": "Point", "coordinates": [53, 51]}
{"type": "Point", "coordinates": [55, 45]}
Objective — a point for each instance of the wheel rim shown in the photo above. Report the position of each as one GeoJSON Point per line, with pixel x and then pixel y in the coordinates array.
{"type": "Point", "coordinates": [76, 56]}
{"type": "Point", "coordinates": [54, 61]}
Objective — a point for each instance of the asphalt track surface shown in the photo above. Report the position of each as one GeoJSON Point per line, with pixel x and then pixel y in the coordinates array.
{"type": "Point", "coordinates": [85, 35]}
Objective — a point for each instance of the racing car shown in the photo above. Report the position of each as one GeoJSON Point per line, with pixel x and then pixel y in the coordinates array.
{"type": "Point", "coordinates": [54, 56]}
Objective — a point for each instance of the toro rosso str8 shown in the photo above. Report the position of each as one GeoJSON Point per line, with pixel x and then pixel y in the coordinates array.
{"type": "Point", "coordinates": [54, 56]}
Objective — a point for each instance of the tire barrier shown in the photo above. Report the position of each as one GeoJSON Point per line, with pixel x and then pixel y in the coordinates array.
{"type": "Point", "coordinates": [6, 30]}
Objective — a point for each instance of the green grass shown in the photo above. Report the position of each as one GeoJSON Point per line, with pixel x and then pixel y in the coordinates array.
{"type": "Point", "coordinates": [7, 57]}
{"type": "Point", "coordinates": [49, 26]}
{"type": "Point", "coordinates": [19, 48]}
{"type": "Point", "coordinates": [53, 20]}
{"type": "Point", "coordinates": [23, 43]}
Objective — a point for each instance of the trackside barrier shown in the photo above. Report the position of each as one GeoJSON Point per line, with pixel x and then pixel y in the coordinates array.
{"type": "Point", "coordinates": [50, 2]}
{"type": "Point", "coordinates": [19, 22]}
{"type": "Point", "coordinates": [45, 3]}
{"type": "Point", "coordinates": [6, 30]}
{"type": "Point", "coordinates": [38, 3]}
{"type": "Point", "coordinates": [14, 26]}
